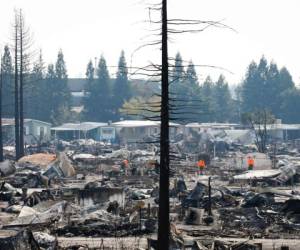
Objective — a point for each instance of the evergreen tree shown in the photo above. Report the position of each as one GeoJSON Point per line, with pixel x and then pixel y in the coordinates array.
{"type": "Point", "coordinates": [36, 91]}
{"type": "Point", "coordinates": [262, 88]}
{"type": "Point", "coordinates": [49, 106]}
{"type": "Point", "coordinates": [273, 92]}
{"type": "Point", "coordinates": [60, 67]}
{"type": "Point", "coordinates": [98, 102]}
{"type": "Point", "coordinates": [223, 102]}
{"type": "Point", "coordinates": [285, 80]}
{"type": "Point", "coordinates": [177, 78]}
{"type": "Point", "coordinates": [250, 88]}
{"type": "Point", "coordinates": [177, 74]}
{"type": "Point", "coordinates": [39, 67]}
{"type": "Point", "coordinates": [191, 75]}
{"type": "Point", "coordinates": [290, 106]}
{"type": "Point", "coordinates": [62, 96]}
{"type": "Point", "coordinates": [266, 87]}
{"type": "Point", "coordinates": [189, 90]}
{"type": "Point", "coordinates": [8, 85]}
{"type": "Point", "coordinates": [207, 90]}
{"type": "Point", "coordinates": [121, 89]}
{"type": "Point", "coordinates": [207, 87]}
{"type": "Point", "coordinates": [255, 86]}
{"type": "Point", "coordinates": [90, 72]}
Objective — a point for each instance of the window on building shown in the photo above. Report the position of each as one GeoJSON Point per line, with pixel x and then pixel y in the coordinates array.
{"type": "Point", "coordinates": [42, 132]}
{"type": "Point", "coordinates": [26, 130]}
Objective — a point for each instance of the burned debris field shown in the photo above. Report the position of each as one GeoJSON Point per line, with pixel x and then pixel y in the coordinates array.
{"type": "Point", "coordinates": [91, 195]}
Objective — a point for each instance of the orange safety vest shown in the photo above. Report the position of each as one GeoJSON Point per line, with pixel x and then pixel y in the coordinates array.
{"type": "Point", "coordinates": [126, 163]}
{"type": "Point", "coordinates": [201, 164]}
{"type": "Point", "coordinates": [250, 161]}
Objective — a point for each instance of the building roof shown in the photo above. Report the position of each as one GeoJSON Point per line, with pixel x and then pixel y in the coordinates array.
{"type": "Point", "coordinates": [257, 174]}
{"type": "Point", "coordinates": [11, 121]}
{"type": "Point", "coordinates": [140, 123]}
{"type": "Point", "coordinates": [136, 123]}
{"type": "Point", "coordinates": [84, 126]}
{"type": "Point", "coordinates": [283, 126]}
{"type": "Point", "coordinates": [211, 125]}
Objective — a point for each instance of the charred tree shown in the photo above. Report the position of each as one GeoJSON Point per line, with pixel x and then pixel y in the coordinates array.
{"type": "Point", "coordinates": [163, 216]}
{"type": "Point", "coordinates": [258, 122]}
{"type": "Point", "coordinates": [21, 90]}
{"type": "Point", "coordinates": [16, 76]}
{"type": "Point", "coordinates": [21, 48]}
{"type": "Point", "coordinates": [1, 138]}
{"type": "Point", "coordinates": [168, 106]}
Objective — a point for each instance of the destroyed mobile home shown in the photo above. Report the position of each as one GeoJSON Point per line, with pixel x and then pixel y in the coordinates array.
{"type": "Point", "coordinates": [88, 194]}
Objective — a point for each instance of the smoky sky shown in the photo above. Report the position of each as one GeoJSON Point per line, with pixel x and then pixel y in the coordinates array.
{"type": "Point", "coordinates": [85, 29]}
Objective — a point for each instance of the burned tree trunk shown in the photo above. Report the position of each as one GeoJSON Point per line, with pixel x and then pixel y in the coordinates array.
{"type": "Point", "coordinates": [21, 87]}
{"type": "Point", "coordinates": [1, 138]}
{"type": "Point", "coordinates": [17, 124]}
{"type": "Point", "coordinates": [163, 217]}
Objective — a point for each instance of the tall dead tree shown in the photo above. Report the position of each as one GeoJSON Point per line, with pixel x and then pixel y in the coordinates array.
{"type": "Point", "coordinates": [171, 106]}
{"type": "Point", "coordinates": [1, 84]}
{"type": "Point", "coordinates": [163, 216]}
{"type": "Point", "coordinates": [21, 75]}
{"type": "Point", "coordinates": [16, 76]}
{"type": "Point", "coordinates": [258, 122]}
{"type": "Point", "coordinates": [22, 44]}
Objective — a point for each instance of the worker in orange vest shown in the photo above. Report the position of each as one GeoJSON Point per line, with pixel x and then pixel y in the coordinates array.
{"type": "Point", "coordinates": [126, 163]}
{"type": "Point", "coordinates": [250, 162]}
{"type": "Point", "coordinates": [201, 165]}
{"type": "Point", "coordinates": [125, 166]}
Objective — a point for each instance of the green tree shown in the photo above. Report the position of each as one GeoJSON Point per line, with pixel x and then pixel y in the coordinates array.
{"type": "Point", "coordinates": [255, 86]}
{"type": "Point", "coordinates": [60, 67]}
{"type": "Point", "coordinates": [191, 75]}
{"type": "Point", "coordinates": [98, 101]}
{"type": "Point", "coordinates": [90, 75]}
{"type": "Point", "coordinates": [8, 86]}
{"type": "Point", "coordinates": [290, 107]}
{"type": "Point", "coordinates": [36, 91]}
{"type": "Point", "coordinates": [286, 82]}
{"type": "Point", "coordinates": [262, 86]}
{"type": "Point", "coordinates": [177, 73]}
{"type": "Point", "coordinates": [278, 82]}
{"type": "Point", "coordinates": [90, 72]}
{"type": "Point", "coordinates": [121, 89]}
{"type": "Point", "coordinates": [272, 89]}
{"type": "Point", "coordinates": [266, 87]}
{"type": "Point", "coordinates": [177, 78]}
{"type": "Point", "coordinates": [141, 107]}
{"type": "Point", "coordinates": [190, 90]}
{"type": "Point", "coordinates": [223, 101]}
{"type": "Point", "coordinates": [61, 98]}
{"type": "Point", "coordinates": [49, 106]}
{"type": "Point", "coordinates": [207, 92]}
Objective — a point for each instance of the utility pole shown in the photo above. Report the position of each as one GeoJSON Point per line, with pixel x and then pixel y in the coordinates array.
{"type": "Point", "coordinates": [163, 214]}
{"type": "Point", "coordinates": [209, 196]}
